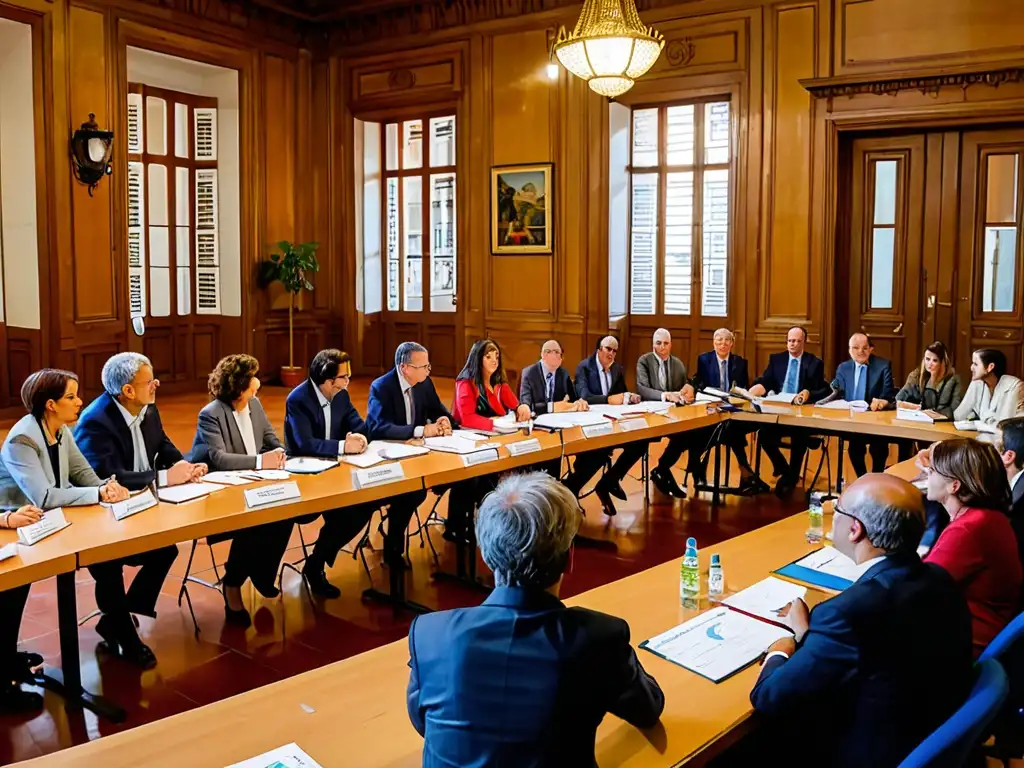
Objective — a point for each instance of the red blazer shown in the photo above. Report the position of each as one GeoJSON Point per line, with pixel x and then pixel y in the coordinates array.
{"type": "Point", "coordinates": [979, 549]}
{"type": "Point", "coordinates": [502, 399]}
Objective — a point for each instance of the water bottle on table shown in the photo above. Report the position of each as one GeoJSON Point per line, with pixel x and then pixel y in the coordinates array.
{"type": "Point", "coordinates": [816, 518]}
{"type": "Point", "coordinates": [716, 579]}
{"type": "Point", "coordinates": [689, 572]}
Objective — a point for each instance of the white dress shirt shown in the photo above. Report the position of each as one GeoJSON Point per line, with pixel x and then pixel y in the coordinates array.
{"type": "Point", "coordinates": [407, 396]}
{"type": "Point", "coordinates": [244, 421]}
{"type": "Point", "coordinates": [1015, 478]}
{"type": "Point", "coordinates": [141, 462]}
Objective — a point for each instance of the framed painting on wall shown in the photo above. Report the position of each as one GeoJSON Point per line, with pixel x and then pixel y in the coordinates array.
{"type": "Point", "coordinates": [521, 209]}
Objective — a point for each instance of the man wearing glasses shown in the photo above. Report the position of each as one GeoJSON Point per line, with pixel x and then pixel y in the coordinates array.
{"type": "Point", "coordinates": [320, 421]}
{"type": "Point", "coordinates": [599, 380]}
{"type": "Point", "coordinates": [870, 673]}
{"type": "Point", "coordinates": [546, 386]}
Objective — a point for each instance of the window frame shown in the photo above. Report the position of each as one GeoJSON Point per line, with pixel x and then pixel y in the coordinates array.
{"type": "Point", "coordinates": [423, 172]}
{"type": "Point", "coordinates": [699, 167]}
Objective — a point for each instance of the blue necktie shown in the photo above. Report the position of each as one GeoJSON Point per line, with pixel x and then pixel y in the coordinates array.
{"type": "Point", "coordinates": [551, 387]}
{"type": "Point", "coordinates": [860, 383]}
{"type": "Point", "coordinates": [792, 374]}
{"type": "Point", "coordinates": [723, 374]}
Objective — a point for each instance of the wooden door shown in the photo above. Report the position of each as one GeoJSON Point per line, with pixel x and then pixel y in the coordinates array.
{"type": "Point", "coordinates": [885, 275]}
{"type": "Point", "coordinates": [989, 306]}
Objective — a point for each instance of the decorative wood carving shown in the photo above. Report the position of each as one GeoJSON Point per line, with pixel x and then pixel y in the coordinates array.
{"type": "Point", "coordinates": [679, 53]}
{"type": "Point", "coordinates": [401, 79]}
{"type": "Point", "coordinates": [930, 83]}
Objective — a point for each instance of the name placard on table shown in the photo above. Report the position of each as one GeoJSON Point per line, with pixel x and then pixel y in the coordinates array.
{"type": "Point", "coordinates": [53, 520]}
{"type": "Point", "coordinates": [596, 430]}
{"type": "Point", "coordinates": [133, 505]}
{"type": "Point", "coordinates": [480, 457]}
{"type": "Point", "coordinates": [372, 476]}
{"type": "Point", "coordinates": [8, 551]}
{"type": "Point", "coordinates": [269, 494]}
{"type": "Point", "coordinates": [629, 425]}
{"type": "Point", "coordinates": [523, 446]}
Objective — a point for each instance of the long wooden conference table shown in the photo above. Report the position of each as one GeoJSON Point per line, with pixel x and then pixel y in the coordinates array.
{"type": "Point", "coordinates": [353, 712]}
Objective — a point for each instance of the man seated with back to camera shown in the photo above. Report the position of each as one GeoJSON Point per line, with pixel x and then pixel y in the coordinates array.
{"type": "Point", "coordinates": [871, 672]}
{"type": "Point", "coordinates": [522, 680]}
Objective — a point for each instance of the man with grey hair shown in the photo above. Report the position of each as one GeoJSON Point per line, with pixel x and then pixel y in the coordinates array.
{"type": "Point", "coordinates": [120, 434]}
{"type": "Point", "coordinates": [873, 671]}
{"type": "Point", "coordinates": [522, 679]}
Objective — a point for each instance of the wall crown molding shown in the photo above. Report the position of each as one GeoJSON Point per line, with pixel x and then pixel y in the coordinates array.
{"type": "Point", "coordinates": [929, 83]}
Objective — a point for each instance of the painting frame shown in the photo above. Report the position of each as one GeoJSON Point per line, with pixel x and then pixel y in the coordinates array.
{"type": "Point", "coordinates": [512, 195]}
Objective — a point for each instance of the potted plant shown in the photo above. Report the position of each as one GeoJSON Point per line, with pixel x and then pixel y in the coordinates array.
{"type": "Point", "coordinates": [289, 264]}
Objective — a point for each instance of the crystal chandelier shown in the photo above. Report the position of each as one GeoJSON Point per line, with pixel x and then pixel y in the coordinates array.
{"type": "Point", "coordinates": [610, 47]}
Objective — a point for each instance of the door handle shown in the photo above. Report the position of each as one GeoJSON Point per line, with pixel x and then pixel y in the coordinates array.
{"type": "Point", "coordinates": [898, 328]}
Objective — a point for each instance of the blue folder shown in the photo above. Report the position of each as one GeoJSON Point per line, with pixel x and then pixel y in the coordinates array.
{"type": "Point", "coordinates": [807, 575]}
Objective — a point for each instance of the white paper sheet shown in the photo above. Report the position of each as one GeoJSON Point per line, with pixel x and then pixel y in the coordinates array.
{"type": "Point", "coordinates": [8, 551]}
{"type": "Point", "coordinates": [226, 478]}
{"type": "Point", "coordinates": [453, 444]}
{"type": "Point", "coordinates": [288, 756]}
{"type": "Point", "coordinates": [833, 562]}
{"type": "Point", "coordinates": [471, 434]}
{"type": "Point", "coordinates": [507, 423]}
{"type": "Point", "coordinates": [268, 474]}
{"type": "Point", "coordinates": [308, 465]}
{"type": "Point", "coordinates": [389, 450]}
{"type": "Point", "coordinates": [570, 419]}
{"type": "Point", "coordinates": [772, 397]}
{"type": "Point", "coordinates": [179, 494]}
{"type": "Point", "coordinates": [362, 460]}
{"type": "Point", "coordinates": [766, 598]}
{"type": "Point", "coordinates": [974, 426]}
{"type": "Point", "coordinates": [717, 643]}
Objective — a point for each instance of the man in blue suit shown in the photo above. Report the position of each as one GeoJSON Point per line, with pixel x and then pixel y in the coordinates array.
{"type": "Point", "coordinates": [867, 378]}
{"type": "Point", "coordinates": [600, 380]}
{"type": "Point", "coordinates": [871, 672]}
{"type": "Point", "coordinates": [546, 386]}
{"type": "Point", "coordinates": [721, 369]}
{"type": "Point", "coordinates": [522, 680]}
{"type": "Point", "coordinates": [799, 373]}
{"type": "Point", "coordinates": [403, 404]}
{"type": "Point", "coordinates": [320, 421]}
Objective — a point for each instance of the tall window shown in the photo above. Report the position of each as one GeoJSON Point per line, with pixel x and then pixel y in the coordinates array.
{"type": "Point", "coordinates": [1001, 221]}
{"type": "Point", "coordinates": [173, 254]}
{"type": "Point", "coordinates": [679, 169]}
{"type": "Point", "coordinates": [419, 213]}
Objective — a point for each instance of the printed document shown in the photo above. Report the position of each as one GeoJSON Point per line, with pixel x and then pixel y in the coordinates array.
{"type": "Point", "coordinates": [288, 756]}
{"type": "Point", "coordinates": [766, 598]}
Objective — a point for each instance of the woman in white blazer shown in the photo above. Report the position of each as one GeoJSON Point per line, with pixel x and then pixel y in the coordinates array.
{"type": "Point", "coordinates": [234, 433]}
{"type": "Point", "coordinates": [993, 395]}
{"type": "Point", "coordinates": [42, 465]}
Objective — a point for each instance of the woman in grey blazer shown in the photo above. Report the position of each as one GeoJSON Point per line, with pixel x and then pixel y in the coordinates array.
{"type": "Point", "coordinates": [234, 433]}
{"type": "Point", "coordinates": [42, 465]}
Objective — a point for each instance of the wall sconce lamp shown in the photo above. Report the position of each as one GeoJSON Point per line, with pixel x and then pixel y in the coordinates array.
{"type": "Point", "coordinates": [90, 153]}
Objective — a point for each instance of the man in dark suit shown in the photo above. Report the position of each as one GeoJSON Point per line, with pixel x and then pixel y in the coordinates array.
{"type": "Point", "coordinates": [599, 380]}
{"type": "Point", "coordinates": [867, 378]}
{"type": "Point", "coordinates": [404, 404]}
{"type": "Point", "coordinates": [321, 421]}
{"type": "Point", "coordinates": [546, 386]}
{"type": "Point", "coordinates": [721, 369]}
{"type": "Point", "coordinates": [521, 679]}
{"type": "Point", "coordinates": [873, 671]}
{"type": "Point", "coordinates": [1010, 442]}
{"type": "Point", "coordinates": [120, 434]}
{"type": "Point", "coordinates": [801, 374]}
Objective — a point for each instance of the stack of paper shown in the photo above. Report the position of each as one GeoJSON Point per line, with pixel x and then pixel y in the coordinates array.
{"type": "Point", "coordinates": [395, 451]}
{"type": "Point", "coordinates": [570, 419]}
{"type": "Point", "coordinates": [826, 567]}
{"type": "Point", "coordinates": [843, 405]}
{"type": "Point", "coordinates": [974, 426]}
{"type": "Point", "coordinates": [308, 465]}
{"type": "Point", "coordinates": [453, 444]}
{"type": "Point", "coordinates": [766, 598]}
{"type": "Point", "coordinates": [507, 423]}
{"type": "Point", "coordinates": [928, 416]}
{"type": "Point", "coordinates": [716, 644]}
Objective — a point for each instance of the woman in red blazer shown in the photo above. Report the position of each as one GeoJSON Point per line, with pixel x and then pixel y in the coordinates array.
{"type": "Point", "coordinates": [482, 394]}
{"type": "Point", "coordinates": [978, 547]}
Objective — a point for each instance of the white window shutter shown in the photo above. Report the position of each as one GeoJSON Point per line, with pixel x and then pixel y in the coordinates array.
{"type": "Point", "coordinates": [205, 133]}
{"type": "Point", "coordinates": [134, 123]}
{"type": "Point", "coordinates": [136, 240]}
{"type": "Point", "coordinates": [207, 255]}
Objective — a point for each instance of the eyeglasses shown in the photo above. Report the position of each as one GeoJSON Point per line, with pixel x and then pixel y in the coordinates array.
{"type": "Point", "coordinates": [419, 367]}
{"type": "Point", "coordinates": [556, 352]}
{"type": "Point", "coordinates": [611, 350]}
{"type": "Point", "coordinates": [343, 377]}
{"type": "Point", "coordinates": [838, 509]}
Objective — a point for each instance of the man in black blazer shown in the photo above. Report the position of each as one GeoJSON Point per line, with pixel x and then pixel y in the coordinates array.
{"type": "Point", "coordinates": [521, 679]}
{"type": "Point", "coordinates": [546, 386]}
{"type": "Point", "coordinates": [320, 421]}
{"type": "Point", "coordinates": [599, 380]}
{"type": "Point", "coordinates": [404, 404]}
{"type": "Point", "coordinates": [796, 372]}
{"type": "Point", "coordinates": [721, 369]}
{"type": "Point", "coordinates": [1010, 442]}
{"type": "Point", "coordinates": [120, 434]}
{"type": "Point", "coordinates": [872, 672]}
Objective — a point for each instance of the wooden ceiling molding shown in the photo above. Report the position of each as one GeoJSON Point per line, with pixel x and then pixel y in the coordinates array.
{"type": "Point", "coordinates": [928, 83]}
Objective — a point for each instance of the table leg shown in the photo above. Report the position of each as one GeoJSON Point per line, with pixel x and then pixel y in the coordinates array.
{"type": "Point", "coordinates": [839, 465]}
{"type": "Point", "coordinates": [68, 683]}
{"type": "Point", "coordinates": [396, 596]}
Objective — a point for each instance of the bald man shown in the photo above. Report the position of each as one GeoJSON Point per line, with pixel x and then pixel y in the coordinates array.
{"type": "Point", "coordinates": [871, 672]}
{"type": "Point", "coordinates": [599, 380]}
{"type": "Point", "coordinates": [546, 386]}
{"type": "Point", "coordinates": [866, 378]}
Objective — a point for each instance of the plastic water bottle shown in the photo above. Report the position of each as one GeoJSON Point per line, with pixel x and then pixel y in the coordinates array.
{"type": "Point", "coordinates": [716, 579]}
{"type": "Point", "coordinates": [689, 573]}
{"type": "Point", "coordinates": [815, 519]}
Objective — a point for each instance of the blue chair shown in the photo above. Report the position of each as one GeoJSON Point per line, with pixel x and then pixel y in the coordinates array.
{"type": "Point", "coordinates": [951, 744]}
{"type": "Point", "coordinates": [1012, 634]}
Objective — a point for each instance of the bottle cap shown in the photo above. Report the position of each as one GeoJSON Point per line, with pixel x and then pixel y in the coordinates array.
{"type": "Point", "coordinates": [691, 542]}
{"type": "Point", "coordinates": [716, 559]}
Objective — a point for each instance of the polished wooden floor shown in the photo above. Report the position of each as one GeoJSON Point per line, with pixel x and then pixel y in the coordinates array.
{"type": "Point", "coordinates": [289, 635]}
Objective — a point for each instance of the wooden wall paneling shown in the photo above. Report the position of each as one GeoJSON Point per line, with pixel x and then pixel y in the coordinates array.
{"type": "Point", "coordinates": [407, 77]}
{"type": "Point", "coordinates": [474, 263]}
{"type": "Point", "coordinates": [785, 274]}
{"type": "Point", "coordinates": [315, 179]}
{"type": "Point", "coordinates": [88, 364]}
{"type": "Point", "coordinates": [887, 35]}
{"type": "Point", "coordinates": [160, 347]}
{"type": "Point", "coordinates": [280, 127]}
{"type": "Point", "coordinates": [24, 355]}
{"type": "Point", "coordinates": [945, 288]}
{"type": "Point", "coordinates": [362, 334]}
{"type": "Point", "coordinates": [205, 350]}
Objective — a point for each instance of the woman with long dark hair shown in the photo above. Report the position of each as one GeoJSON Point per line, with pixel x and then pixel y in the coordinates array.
{"type": "Point", "coordinates": [978, 547]}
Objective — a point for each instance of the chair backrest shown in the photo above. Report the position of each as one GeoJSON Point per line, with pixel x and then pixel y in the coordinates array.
{"type": "Point", "coordinates": [952, 742]}
{"type": "Point", "coordinates": [1012, 634]}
